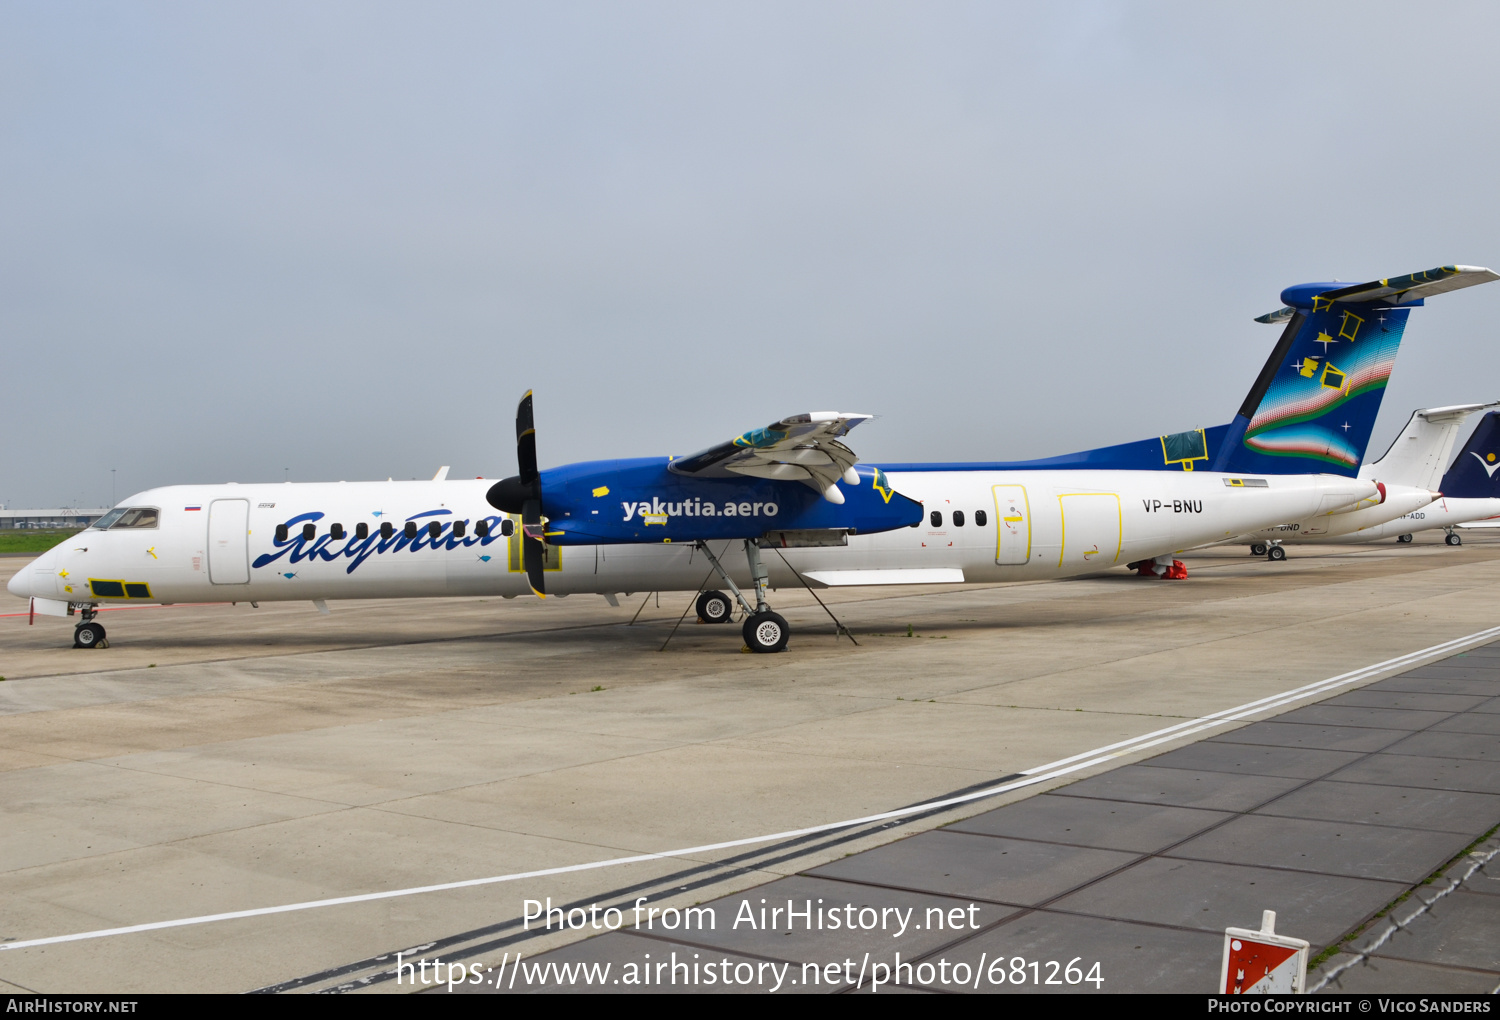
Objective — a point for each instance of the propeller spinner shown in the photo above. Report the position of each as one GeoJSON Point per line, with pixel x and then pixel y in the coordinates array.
{"type": "Point", "coordinates": [522, 494]}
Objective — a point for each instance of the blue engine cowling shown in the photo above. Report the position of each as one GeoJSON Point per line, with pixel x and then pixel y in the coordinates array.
{"type": "Point", "coordinates": [631, 501]}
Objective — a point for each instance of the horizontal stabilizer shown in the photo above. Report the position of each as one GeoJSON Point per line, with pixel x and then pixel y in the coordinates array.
{"type": "Point", "coordinates": [1410, 289]}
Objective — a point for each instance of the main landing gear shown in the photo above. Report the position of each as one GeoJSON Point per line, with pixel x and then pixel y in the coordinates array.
{"type": "Point", "coordinates": [1453, 538]}
{"type": "Point", "coordinates": [714, 607]}
{"type": "Point", "coordinates": [764, 631]}
{"type": "Point", "coordinates": [1403, 539]}
{"type": "Point", "coordinates": [1270, 550]}
{"type": "Point", "coordinates": [89, 634]}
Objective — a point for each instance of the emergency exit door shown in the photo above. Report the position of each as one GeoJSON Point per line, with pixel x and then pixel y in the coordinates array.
{"type": "Point", "coordinates": [229, 541]}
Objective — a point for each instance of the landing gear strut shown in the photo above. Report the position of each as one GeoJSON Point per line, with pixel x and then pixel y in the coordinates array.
{"type": "Point", "coordinates": [764, 631]}
{"type": "Point", "coordinates": [89, 634]}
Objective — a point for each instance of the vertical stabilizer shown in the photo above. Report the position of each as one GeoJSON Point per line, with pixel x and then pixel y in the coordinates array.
{"type": "Point", "coordinates": [1475, 473]}
{"type": "Point", "coordinates": [1420, 454]}
{"type": "Point", "coordinates": [1314, 405]}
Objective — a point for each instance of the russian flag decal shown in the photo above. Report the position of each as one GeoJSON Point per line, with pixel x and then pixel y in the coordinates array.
{"type": "Point", "coordinates": [193, 508]}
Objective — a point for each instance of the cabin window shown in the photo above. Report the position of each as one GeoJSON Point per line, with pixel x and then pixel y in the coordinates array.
{"type": "Point", "coordinates": [410, 531]}
{"type": "Point", "coordinates": [936, 517]}
{"type": "Point", "coordinates": [361, 530]}
{"type": "Point", "coordinates": [958, 518]}
{"type": "Point", "coordinates": [281, 533]}
{"type": "Point", "coordinates": [337, 531]}
{"type": "Point", "coordinates": [137, 517]}
{"type": "Point", "coordinates": [482, 529]}
{"type": "Point", "coordinates": [434, 530]}
{"type": "Point", "coordinates": [980, 518]}
{"type": "Point", "coordinates": [110, 518]}
{"type": "Point", "coordinates": [387, 529]}
{"type": "Point", "coordinates": [459, 527]}
{"type": "Point", "coordinates": [309, 531]}
{"type": "Point", "coordinates": [135, 590]}
{"type": "Point", "coordinates": [507, 527]}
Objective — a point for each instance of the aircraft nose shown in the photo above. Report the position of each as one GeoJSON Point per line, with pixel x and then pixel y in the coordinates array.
{"type": "Point", "coordinates": [17, 585]}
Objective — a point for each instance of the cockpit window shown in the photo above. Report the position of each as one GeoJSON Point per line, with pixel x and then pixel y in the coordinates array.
{"type": "Point", "coordinates": [110, 518]}
{"type": "Point", "coordinates": [137, 517]}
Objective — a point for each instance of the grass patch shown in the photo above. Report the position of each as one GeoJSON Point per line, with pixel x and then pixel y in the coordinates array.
{"type": "Point", "coordinates": [24, 540]}
{"type": "Point", "coordinates": [1335, 947]}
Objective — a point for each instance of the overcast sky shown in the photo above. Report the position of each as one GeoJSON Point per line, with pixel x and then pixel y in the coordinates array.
{"type": "Point", "coordinates": [338, 241]}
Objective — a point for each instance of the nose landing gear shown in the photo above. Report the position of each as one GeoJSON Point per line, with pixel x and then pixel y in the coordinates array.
{"type": "Point", "coordinates": [89, 634]}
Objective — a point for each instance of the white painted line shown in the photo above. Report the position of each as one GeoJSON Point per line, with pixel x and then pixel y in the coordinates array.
{"type": "Point", "coordinates": [1040, 774]}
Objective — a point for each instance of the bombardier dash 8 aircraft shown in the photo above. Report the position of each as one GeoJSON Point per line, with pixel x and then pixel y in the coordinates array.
{"type": "Point", "coordinates": [790, 498]}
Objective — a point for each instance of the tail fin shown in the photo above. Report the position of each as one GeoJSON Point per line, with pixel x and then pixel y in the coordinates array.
{"type": "Point", "coordinates": [1475, 473]}
{"type": "Point", "coordinates": [1420, 453]}
{"type": "Point", "coordinates": [1314, 405]}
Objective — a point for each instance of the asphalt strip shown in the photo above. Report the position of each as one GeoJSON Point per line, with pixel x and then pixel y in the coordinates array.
{"type": "Point", "coordinates": [1030, 777]}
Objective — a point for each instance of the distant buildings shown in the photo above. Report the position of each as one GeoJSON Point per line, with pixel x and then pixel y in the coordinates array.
{"type": "Point", "coordinates": [50, 518]}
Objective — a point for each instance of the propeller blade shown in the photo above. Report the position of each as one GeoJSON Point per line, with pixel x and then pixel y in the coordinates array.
{"type": "Point", "coordinates": [526, 440]}
{"type": "Point", "coordinates": [533, 551]}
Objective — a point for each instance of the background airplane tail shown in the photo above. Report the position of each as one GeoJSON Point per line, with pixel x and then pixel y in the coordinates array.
{"type": "Point", "coordinates": [1420, 454]}
{"type": "Point", "coordinates": [1475, 473]}
{"type": "Point", "coordinates": [1314, 404]}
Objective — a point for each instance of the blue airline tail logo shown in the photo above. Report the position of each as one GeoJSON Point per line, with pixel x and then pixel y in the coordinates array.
{"type": "Point", "coordinates": [1472, 475]}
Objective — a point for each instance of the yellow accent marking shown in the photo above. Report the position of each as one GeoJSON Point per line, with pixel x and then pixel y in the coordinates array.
{"type": "Point", "coordinates": [886, 492]}
{"type": "Point", "coordinates": [603, 490]}
{"type": "Point", "coordinates": [1327, 303]}
{"type": "Point", "coordinates": [151, 552]}
{"type": "Point", "coordinates": [68, 588]}
{"type": "Point", "coordinates": [64, 574]}
{"type": "Point", "coordinates": [1310, 366]}
{"type": "Point", "coordinates": [1333, 378]}
{"type": "Point", "coordinates": [1490, 457]}
{"type": "Point", "coordinates": [1348, 331]}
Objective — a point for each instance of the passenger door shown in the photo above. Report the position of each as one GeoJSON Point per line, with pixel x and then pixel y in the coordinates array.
{"type": "Point", "coordinates": [1012, 524]}
{"type": "Point", "coordinates": [229, 541]}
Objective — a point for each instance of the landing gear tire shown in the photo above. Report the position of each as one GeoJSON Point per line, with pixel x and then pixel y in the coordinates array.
{"type": "Point", "coordinates": [1276, 554]}
{"type": "Point", "coordinates": [1403, 538]}
{"type": "Point", "coordinates": [1453, 539]}
{"type": "Point", "coordinates": [714, 607]}
{"type": "Point", "coordinates": [1258, 549]}
{"type": "Point", "coordinates": [766, 632]}
{"type": "Point", "coordinates": [89, 635]}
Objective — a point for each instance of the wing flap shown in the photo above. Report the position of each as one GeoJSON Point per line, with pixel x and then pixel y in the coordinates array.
{"type": "Point", "coordinates": [804, 448]}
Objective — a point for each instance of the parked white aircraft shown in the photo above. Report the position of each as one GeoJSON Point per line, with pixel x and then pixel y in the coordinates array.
{"type": "Point", "coordinates": [1407, 475]}
{"type": "Point", "coordinates": [1471, 490]}
{"type": "Point", "coordinates": [792, 489]}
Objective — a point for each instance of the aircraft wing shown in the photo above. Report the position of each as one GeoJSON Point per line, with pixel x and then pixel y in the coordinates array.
{"type": "Point", "coordinates": [803, 448]}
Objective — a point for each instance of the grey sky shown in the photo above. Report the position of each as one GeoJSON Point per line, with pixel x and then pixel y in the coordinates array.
{"type": "Point", "coordinates": [344, 238]}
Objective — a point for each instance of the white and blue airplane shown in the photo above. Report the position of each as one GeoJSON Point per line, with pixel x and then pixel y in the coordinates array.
{"type": "Point", "coordinates": [1470, 489]}
{"type": "Point", "coordinates": [1411, 482]}
{"type": "Point", "coordinates": [791, 497]}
